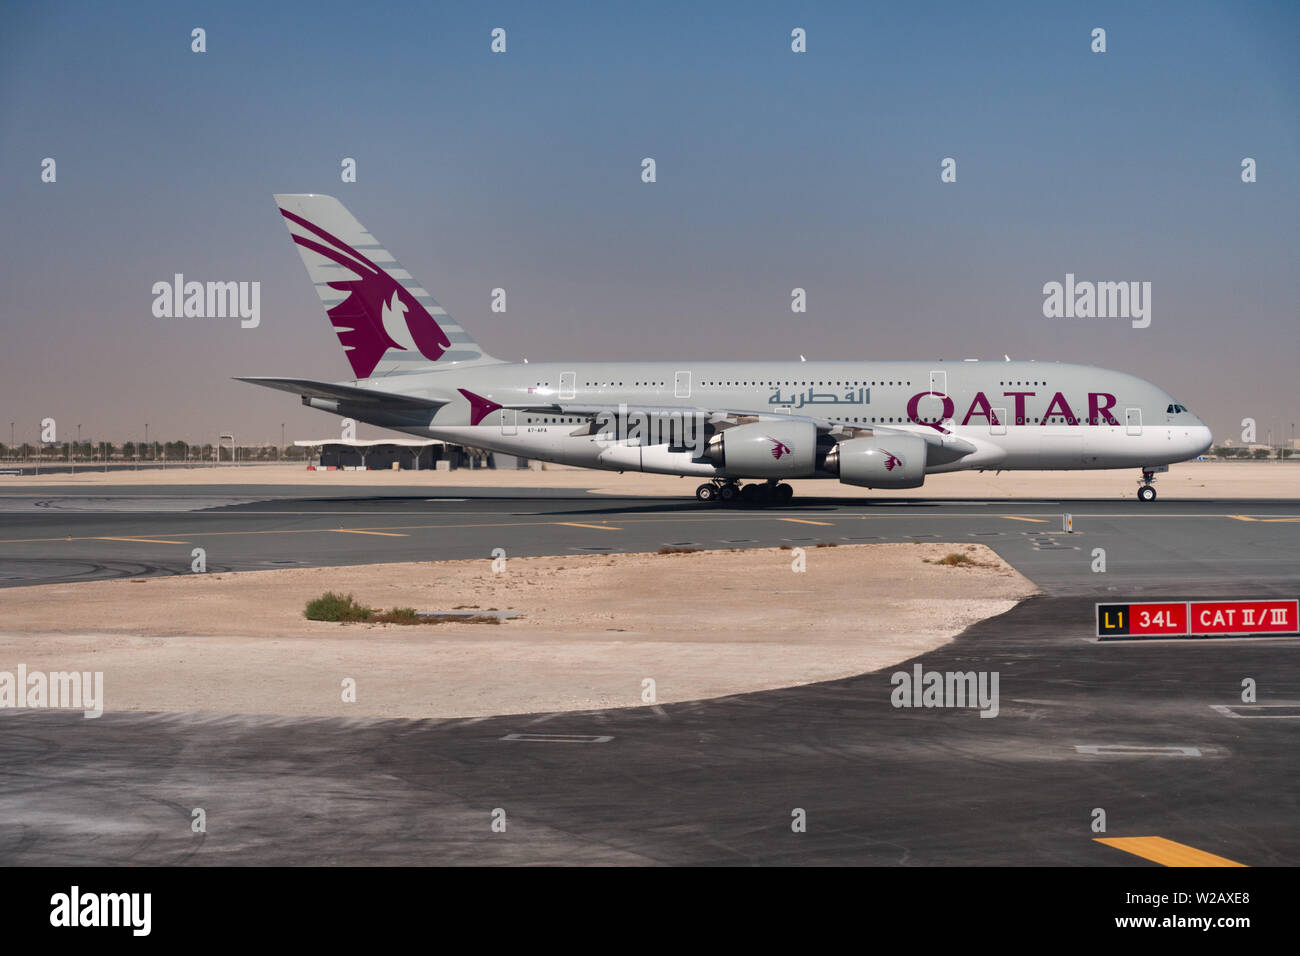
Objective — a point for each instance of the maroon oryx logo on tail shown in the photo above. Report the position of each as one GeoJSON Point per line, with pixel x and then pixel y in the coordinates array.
{"type": "Point", "coordinates": [379, 313]}
{"type": "Point", "coordinates": [779, 448]}
{"type": "Point", "coordinates": [892, 461]}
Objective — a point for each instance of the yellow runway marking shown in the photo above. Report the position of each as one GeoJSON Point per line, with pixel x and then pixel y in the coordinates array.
{"type": "Point", "coordinates": [806, 521]}
{"type": "Point", "coordinates": [1166, 852]}
{"type": "Point", "coordinates": [227, 534]}
{"type": "Point", "coordinates": [465, 526]}
{"type": "Point", "coordinates": [140, 540]}
{"type": "Point", "coordinates": [386, 534]}
{"type": "Point", "coordinates": [1263, 520]}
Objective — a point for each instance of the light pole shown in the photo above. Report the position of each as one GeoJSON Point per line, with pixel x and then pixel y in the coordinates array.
{"type": "Point", "coordinates": [279, 453]}
{"type": "Point", "coordinates": [232, 448]}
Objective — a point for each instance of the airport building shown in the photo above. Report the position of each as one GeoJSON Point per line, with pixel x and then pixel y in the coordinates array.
{"type": "Point", "coordinates": [384, 454]}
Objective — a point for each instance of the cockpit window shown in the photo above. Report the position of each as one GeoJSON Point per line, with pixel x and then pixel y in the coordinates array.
{"type": "Point", "coordinates": [1175, 408]}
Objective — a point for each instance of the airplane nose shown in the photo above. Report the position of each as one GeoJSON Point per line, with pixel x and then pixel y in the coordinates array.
{"type": "Point", "coordinates": [1199, 439]}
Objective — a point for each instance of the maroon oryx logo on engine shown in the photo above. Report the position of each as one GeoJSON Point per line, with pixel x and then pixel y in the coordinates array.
{"type": "Point", "coordinates": [892, 461]}
{"type": "Point", "coordinates": [779, 448]}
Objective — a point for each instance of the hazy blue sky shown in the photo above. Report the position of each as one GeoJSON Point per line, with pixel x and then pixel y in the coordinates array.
{"type": "Point", "coordinates": [522, 170]}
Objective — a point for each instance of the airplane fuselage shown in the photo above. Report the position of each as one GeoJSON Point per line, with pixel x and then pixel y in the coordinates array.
{"type": "Point", "coordinates": [1018, 415]}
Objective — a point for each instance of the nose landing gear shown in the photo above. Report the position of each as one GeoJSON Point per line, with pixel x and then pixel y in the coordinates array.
{"type": "Point", "coordinates": [1147, 492]}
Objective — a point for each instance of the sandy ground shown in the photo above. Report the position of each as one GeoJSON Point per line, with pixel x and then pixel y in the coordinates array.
{"type": "Point", "coordinates": [700, 625]}
{"type": "Point", "coordinates": [1208, 479]}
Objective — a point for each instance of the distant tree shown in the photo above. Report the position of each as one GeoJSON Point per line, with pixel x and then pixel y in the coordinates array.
{"type": "Point", "coordinates": [1261, 453]}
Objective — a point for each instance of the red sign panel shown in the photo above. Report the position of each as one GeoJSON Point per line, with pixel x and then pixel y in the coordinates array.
{"type": "Point", "coordinates": [1197, 619]}
{"type": "Point", "coordinates": [1244, 617]}
{"type": "Point", "coordinates": [1153, 620]}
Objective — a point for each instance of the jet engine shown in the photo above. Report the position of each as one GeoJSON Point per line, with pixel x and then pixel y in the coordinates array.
{"type": "Point", "coordinates": [765, 450]}
{"type": "Point", "coordinates": [879, 462]}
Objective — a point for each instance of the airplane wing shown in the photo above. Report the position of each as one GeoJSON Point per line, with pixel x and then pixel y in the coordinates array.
{"type": "Point", "coordinates": [347, 393]}
{"type": "Point", "coordinates": [722, 418]}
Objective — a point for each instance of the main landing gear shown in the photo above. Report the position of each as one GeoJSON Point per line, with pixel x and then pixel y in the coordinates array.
{"type": "Point", "coordinates": [1146, 492]}
{"type": "Point", "coordinates": [728, 490]}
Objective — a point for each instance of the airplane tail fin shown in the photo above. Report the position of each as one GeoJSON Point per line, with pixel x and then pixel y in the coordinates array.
{"type": "Point", "coordinates": [386, 323]}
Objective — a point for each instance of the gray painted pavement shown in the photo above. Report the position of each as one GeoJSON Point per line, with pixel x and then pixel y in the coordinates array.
{"type": "Point", "coordinates": [708, 782]}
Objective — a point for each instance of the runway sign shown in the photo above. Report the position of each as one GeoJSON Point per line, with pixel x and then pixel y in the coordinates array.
{"type": "Point", "coordinates": [1142, 620]}
{"type": "Point", "coordinates": [1243, 617]}
{"type": "Point", "coordinates": [1197, 619]}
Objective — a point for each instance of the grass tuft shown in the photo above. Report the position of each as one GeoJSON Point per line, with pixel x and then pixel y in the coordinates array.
{"type": "Point", "coordinates": [343, 609]}
{"type": "Point", "coordinates": [954, 560]}
{"type": "Point", "coordinates": [336, 607]}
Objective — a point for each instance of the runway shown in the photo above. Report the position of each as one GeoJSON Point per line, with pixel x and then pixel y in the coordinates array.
{"type": "Point", "coordinates": [70, 535]}
{"type": "Point", "coordinates": [706, 782]}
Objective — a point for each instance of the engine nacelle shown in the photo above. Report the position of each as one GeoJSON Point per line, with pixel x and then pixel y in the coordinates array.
{"type": "Point", "coordinates": [880, 462]}
{"type": "Point", "coordinates": [765, 450]}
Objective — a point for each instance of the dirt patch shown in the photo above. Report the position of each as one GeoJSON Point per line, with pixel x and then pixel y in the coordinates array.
{"type": "Point", "coordinates": [593, 629]}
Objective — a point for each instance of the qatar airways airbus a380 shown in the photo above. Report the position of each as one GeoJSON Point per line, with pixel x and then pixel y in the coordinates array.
{"type": "Point", "coordinates": [866, 423]}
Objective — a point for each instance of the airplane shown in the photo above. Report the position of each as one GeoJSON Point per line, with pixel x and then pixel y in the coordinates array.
{"type": "Point", "coordinates": [870, 424]}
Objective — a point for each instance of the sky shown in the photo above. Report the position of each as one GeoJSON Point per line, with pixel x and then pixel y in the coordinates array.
{"type": "Point", "coordinates": [522, 170]}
